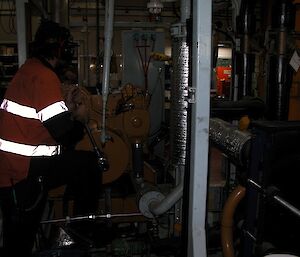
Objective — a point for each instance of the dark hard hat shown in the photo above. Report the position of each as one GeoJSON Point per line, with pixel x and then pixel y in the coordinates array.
{"type": "Point", "coordinates": [52, 40]}
{"type": "Point", "coordinates": [50, 32]}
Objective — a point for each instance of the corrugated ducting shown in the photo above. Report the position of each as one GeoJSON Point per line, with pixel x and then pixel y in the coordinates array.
{"type": "Point", "coordinates": [179, 105]}
{"type": "Point", "coordinates": [231, 141]}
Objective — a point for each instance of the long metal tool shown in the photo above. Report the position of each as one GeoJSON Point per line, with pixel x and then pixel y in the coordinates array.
{"type": "Point", "coordinates": [102, 161]}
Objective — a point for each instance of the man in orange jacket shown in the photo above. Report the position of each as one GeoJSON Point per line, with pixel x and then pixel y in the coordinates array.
{"type": "Point", "coordinates": [37, 132]}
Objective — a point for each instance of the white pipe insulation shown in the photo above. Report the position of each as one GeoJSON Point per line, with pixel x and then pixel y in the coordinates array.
{"type": "Point", "coordinates": [159, 208]}
{"type": "Point", "coordinates": [108, 34]}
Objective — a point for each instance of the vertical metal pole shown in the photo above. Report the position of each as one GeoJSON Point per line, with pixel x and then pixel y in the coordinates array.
{"type": "Point", "coordinates": [185, 10]}
{"type": "Point", "coordinates": [201, 68]}
{"type": "Point", "coordinates": [252, 196]}
{"type": "Point", "coordinates": [21, 31]}
{"type": "Point", "coordinates": [61, 12]}
{"type": "Point", "coordinates": [98, 47]}
{"type": "Point", "coordinates": [56, 10]}
{"type": "Point", "coordinates": [87, 56]}
{"type": "Point", "coordinates": [108, 32]}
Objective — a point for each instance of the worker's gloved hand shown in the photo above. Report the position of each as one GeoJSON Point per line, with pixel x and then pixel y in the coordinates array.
{"type": "Point", "coordinates": [76, 103]}
{"type": "Point", "coordinates": [80, 113]}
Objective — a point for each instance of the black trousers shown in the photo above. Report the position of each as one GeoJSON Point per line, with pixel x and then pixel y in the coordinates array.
{"type": "Point", "coordinates": [23, 204]}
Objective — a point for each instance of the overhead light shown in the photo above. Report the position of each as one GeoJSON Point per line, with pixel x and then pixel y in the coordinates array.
{"type": "Point", "coordinates": [155, 6]}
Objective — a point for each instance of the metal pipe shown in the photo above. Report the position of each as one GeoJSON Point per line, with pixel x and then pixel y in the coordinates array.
{"type": "Point", "coordinates": [87, 56]}
{"type": "Point", "coordinates": [280, 72]}
{"type": "Point", "coordinates": [281, 86]}
{"type": "Point", "coordinates": [151, 201]}
{"type": "Point", "coordinates": [21, 31]}
{"type": "Point", "coordinates": [39, 5]}
{"type": "Point", "coordinates": [60, 9]}
{"type": "Point", "coordinates": [251, 106]}
{"type": "Point", "coordinates": [56, 10]}
{"type": "Point", "coordinates": [287, 205]}
{"type": "Point", "coordinates": [137, 160]}
{"type": "Point", "coordinates": [227, 220]}
{"type": "Point", "coordinates": [123, 24]}
{"type": "Point", "coordinates": [108, 32]}
{"type": "Point", "coordinates": [98, 47]}
{"type": "Point", "coordinates": [163, 206]}
{"type": "Point", "coordinates": [236, 5]}
{"type": "Point", "coordinates": [91, 217]}
{"type": "Point", "coordinates": [185, 10]}
{"type": "Point", "coordinates": [274, 196]}
{"type": "Point", "coordinates": [246, 26]}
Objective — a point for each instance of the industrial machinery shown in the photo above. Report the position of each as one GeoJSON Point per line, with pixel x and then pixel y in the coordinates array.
{"type": "Point", "coordinates": [132, 196]}
{"type": "Point", "coordinates": [127, 129]}
{"type": "Point", "coordinates": [167, 206]}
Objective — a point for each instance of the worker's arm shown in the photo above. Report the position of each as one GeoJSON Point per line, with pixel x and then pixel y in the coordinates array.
{"type": "Point", "coordinates": [67, 128]}
{"type": "Point", "coordinates": [64, 129]}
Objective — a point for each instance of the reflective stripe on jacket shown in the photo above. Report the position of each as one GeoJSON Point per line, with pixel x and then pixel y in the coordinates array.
{"type": "Point", "coordinates": [29, 150]}
{"type": "Point", "coordinates": [31, 113]}
{"type": "Point", "coordinates": [33, 97]}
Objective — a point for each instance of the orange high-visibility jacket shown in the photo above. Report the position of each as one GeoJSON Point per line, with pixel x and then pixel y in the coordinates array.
{"type": "Point", "coordinates": [33, 97]}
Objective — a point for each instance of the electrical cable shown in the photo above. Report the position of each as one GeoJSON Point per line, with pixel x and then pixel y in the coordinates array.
{"type": "Point", "coordinates": [144, 62]}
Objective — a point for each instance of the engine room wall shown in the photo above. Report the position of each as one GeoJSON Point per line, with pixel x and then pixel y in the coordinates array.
{"type": "Point", "coordinates": [140, 70]}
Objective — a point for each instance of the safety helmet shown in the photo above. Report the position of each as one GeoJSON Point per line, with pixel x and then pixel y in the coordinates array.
{"type": "Point", "coordinates": [52, 40]}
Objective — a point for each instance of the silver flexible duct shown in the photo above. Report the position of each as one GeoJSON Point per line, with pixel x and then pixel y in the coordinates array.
{"type": "Point", "coordinates": [179, 89]}
{"type": "Point", "coordinates": [233, 142]}
{"type": "Point", "coordinates": [179, 105]}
